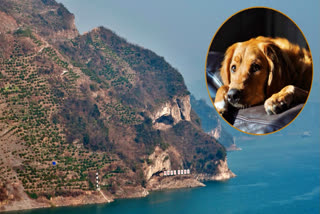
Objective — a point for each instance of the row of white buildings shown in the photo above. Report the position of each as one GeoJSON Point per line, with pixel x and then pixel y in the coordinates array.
{"type": "Point", "coordinates": [176, 172]}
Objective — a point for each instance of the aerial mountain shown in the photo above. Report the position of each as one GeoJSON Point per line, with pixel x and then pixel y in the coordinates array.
{"type": "Point", "coordinates": [77, 109]}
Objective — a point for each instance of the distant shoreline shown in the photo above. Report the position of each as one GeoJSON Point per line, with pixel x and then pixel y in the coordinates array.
{"type": "Point", "coordinates": [156, 184]}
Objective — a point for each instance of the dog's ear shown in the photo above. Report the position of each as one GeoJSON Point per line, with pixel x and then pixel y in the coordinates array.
{"type": "Point", "coordinates": [278, 68]}
{"type": "Point", "coordinates": [225, 65]}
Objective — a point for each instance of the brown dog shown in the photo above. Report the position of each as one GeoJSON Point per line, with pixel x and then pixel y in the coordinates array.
{"type": "Point", "coordinates": [273, 71]}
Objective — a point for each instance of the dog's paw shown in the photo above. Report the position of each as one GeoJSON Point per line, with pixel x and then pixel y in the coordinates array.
{"type": "Point", "coordinates": [220, 101]}
{"type": "Point", "coordinates": [278, 103]}
{"type": "Point", "coordinates": [285, 99]}
{"type": "Point", "coordinates": [221, 106]}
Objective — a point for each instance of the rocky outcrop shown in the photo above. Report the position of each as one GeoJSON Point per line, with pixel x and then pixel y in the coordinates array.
{"type": "Point", "coordinates": [172, 112]}
{"type": "Point", "coordinates": [47, 18]}
{"type": "Point", "coordinates": [158, 161]}
{"type": "Point", "coordinates": [222, 172]}
{"type": "Point", "coordinates": [184, 107]}
{"type": "Point", "coordinates": [216, 132]}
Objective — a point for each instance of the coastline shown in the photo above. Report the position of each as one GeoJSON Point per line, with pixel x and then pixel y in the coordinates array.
{"type": "Point", "coordinates": [102, 197]}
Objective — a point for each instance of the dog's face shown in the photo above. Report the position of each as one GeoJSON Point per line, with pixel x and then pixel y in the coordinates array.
{"type": "Point", "coordinates": [246, 70]}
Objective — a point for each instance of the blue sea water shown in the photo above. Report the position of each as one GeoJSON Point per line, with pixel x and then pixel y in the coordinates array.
{"type": "Point", "coordinates": [277, 174]}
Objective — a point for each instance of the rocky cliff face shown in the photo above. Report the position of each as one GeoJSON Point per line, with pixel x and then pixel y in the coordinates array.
{"type": "Point", "coordinates": [48, 18]}
{"type": "Point", "coordinates": [157, 162]}
{"type": "Point", "coordinates": [222, 173]}
{"type": "Point", "coordinates": [171, 113]}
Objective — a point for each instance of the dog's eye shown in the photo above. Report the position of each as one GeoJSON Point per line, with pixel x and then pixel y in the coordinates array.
{"type": "Point", "coordinates": [255, 67]}
{"type": "Point", "coordinates": [233, 68]}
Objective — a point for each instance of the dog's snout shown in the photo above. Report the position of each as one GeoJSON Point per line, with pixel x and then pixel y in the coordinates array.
{"type": "Point", "coordinates": [234, 95]}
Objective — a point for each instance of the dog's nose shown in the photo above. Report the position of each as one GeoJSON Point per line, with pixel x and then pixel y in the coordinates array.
{"type": "Point", "coordinates": [234, 95]}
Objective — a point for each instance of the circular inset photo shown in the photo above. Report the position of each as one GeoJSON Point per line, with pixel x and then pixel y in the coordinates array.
{"type": "Point", "coordinates": [259, 70]}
